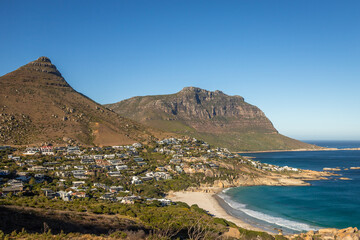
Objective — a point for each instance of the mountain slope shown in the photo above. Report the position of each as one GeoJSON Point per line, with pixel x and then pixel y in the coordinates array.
{"type": "Point", "coordinates": [38, 105]}
{"type": "Point", "coordinates": [215, 117]}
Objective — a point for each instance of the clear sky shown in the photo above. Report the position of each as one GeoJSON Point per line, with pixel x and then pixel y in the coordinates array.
{"type": "Point", "coordinates": [298, 60]}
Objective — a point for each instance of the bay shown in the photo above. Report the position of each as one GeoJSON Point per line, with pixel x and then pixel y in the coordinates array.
{"type": "Point", "coordinates": [326, 203]}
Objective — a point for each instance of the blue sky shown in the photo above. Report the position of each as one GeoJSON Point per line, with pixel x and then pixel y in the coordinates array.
{"type": "Point", "coordinates": [298, 60]}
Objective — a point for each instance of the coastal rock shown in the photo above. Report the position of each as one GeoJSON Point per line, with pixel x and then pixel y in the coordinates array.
{"type": "Point", "coordinates": [344, 178]}
{"type": "Point", "coordinates": [263, 178]}
{"type": "Point", "coordinates": [331, 169]}
{"type": "Point", "coordinates": [347, 236]}
{"type": "Point", "coordinates": [329, 234]}
{"type": "Point", "coordinates": [308, 237]}
{"type": "Point", "coordinates": [347, 230]}
{"type": "Point", "coordinates": [310, 233]}
{"type": "Point", "coordinates": [328, 231]}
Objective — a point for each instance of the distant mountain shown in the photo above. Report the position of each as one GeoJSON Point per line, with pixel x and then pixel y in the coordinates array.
{"type": "Point", "coordinates": [37, 105]}
{"type": "Point", "coordinates": [215, 117]}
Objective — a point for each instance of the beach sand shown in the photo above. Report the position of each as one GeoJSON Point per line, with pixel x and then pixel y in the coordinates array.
{"type": "Point", "coordinates": [208, 202]}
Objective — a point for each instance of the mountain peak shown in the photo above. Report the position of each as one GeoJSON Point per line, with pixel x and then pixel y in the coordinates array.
{"type": "Point", "coordinates": [40, 72]}
{"type": "Point", "coordinates": [200, 90]}
{"type": "Point", "coordinates": [43, 59]}
{"type": "Point", "coordinates": [191, 89]}
{"type": "Point", "coordinates": [42, 64]}
{"type": "Point", "coordinates": [38, 105]}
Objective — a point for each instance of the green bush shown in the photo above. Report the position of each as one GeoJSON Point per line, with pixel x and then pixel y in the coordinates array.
{"type": "Point", "coordinates": [224, 222]}
{"type": "Point", "coordinates": [196, 208]}
{"type": "Point", "coordinates": [118, 234]}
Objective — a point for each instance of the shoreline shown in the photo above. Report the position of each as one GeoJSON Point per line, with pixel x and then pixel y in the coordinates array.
{"type": "Point", "coordinates": [209, 202]}
{"type": "Point", "coordinates": [206, 196]}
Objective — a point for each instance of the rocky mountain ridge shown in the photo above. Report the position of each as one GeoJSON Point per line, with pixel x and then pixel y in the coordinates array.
{"type": "Point", "coordinates": [219, 119]}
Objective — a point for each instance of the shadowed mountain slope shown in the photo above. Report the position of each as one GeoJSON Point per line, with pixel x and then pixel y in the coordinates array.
{"type": "Point", "coordinates": [37, 105]}
{"type": "Point", "coordinates": [215, 117]}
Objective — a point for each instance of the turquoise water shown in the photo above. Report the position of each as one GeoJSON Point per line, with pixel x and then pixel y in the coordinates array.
{"type": "Point", "coordinates": [326, 203]}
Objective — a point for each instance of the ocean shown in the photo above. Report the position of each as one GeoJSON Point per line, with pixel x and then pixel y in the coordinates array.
{"type": "Point", "coordinates": [325, 204]}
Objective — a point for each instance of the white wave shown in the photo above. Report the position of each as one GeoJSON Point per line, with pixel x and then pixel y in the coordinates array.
{"type": "Point", "coordinates": [225, 190]}
{"type": "Point", "coordinates": [297, 226]}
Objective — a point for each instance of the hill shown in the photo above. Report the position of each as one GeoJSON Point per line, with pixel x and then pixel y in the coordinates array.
{"type": "Point", "coordinates": [219, 119]}
{"type": "Point", "coordinates": [37, 105]}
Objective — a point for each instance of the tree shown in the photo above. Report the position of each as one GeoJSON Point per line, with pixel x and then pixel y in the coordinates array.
{"type": "Point", "coordinates": [200, 229]}
{"type": "Point", "coordinates": [32, 181]}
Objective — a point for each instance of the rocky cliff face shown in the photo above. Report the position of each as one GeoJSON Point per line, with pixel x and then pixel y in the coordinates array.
{"type": "Point", "coordinates": [38, 105]}
{"type": "Point", "coordinates": [202, 109]}
{"type": "Point", "coordinates": [218, 118]}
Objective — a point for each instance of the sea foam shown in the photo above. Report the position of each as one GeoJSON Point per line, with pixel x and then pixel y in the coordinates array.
{"type": "Point", "coordinates": [280, 222]}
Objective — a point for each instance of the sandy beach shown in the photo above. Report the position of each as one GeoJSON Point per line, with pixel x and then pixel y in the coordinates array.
{"type": "Point", "coordinates": [209, 203]}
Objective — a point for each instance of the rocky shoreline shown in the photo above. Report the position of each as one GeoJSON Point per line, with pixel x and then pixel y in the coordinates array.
{"type": "Point", "coordinates": [300, 178]}
{"type": "Point", "coordinates": [351, 233]}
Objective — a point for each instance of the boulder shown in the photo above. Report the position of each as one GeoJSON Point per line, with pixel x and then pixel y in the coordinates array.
{"type": "Point", "coordinates": [328, 231]}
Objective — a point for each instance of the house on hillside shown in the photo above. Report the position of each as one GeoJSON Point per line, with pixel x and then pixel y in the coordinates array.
{"type": "Point", "coordinates": [115, 189]}
{"type": "Point", "coordinates": [121, 167]}
{"type": "Point", "coordinates": [138, 159]}
{"type": "Point", "coordinates": [135, 180]}
{"type": "Point", "coordinates": [14, 186]}
{"type": "Point", "coordinates": [49, 193]}
{"type": "Point", "coordinates": [79, 194]}
{"type": "Point", "coordinates": [13, 189]}
{"type": "Point", "coordinates": [4, 172]}
{"type": "Point", "coordinates": [179, 169]}
{"type": "Point", "coordinates": [37, 169]}
{"type": "Point", "coordinates": [102, 163]}
{"type": "Point", "coordinates": [109, 156]}
{"type": "Point", "coordinates": [129, 199]}
{"type": "Point", "coordinates": [141, 163]}
{"type": "Point", "coordinates": [160, 168]}
{"type": "Point", "coordinates": [115, 162]}
{"type": "Point", "coordinates": [31, 151]}
{"type": "Point", "coordinates": [137, 145]}
{"type": "Point", "coordinates": [108, 196]}
{"type": "Point", "coordinates": [65, 196]}
{"type": "Point", "coordinates": [15, 158]}
{"type": "Point", "coordinates": [73, 150]}
{"type": "Point", "coordinates": [114, 174]}
{"type": "Point", "coordinates": [175, 161]}
{"type": "Point", "coordinates": [78, 183]}
{"type": "Point", "coordinates": [162, 175]}
{"type": "Point", "coordinates": [87, 161]}
{"type": "Point", "coordinates": [47, 150]}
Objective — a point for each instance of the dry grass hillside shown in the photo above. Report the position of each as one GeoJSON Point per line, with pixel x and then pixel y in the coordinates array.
{"type": "Point", "coordinates": [37, 105]}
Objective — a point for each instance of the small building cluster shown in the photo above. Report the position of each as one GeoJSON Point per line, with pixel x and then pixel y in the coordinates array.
{"type": "Point", "coordinates": [115, 173]}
